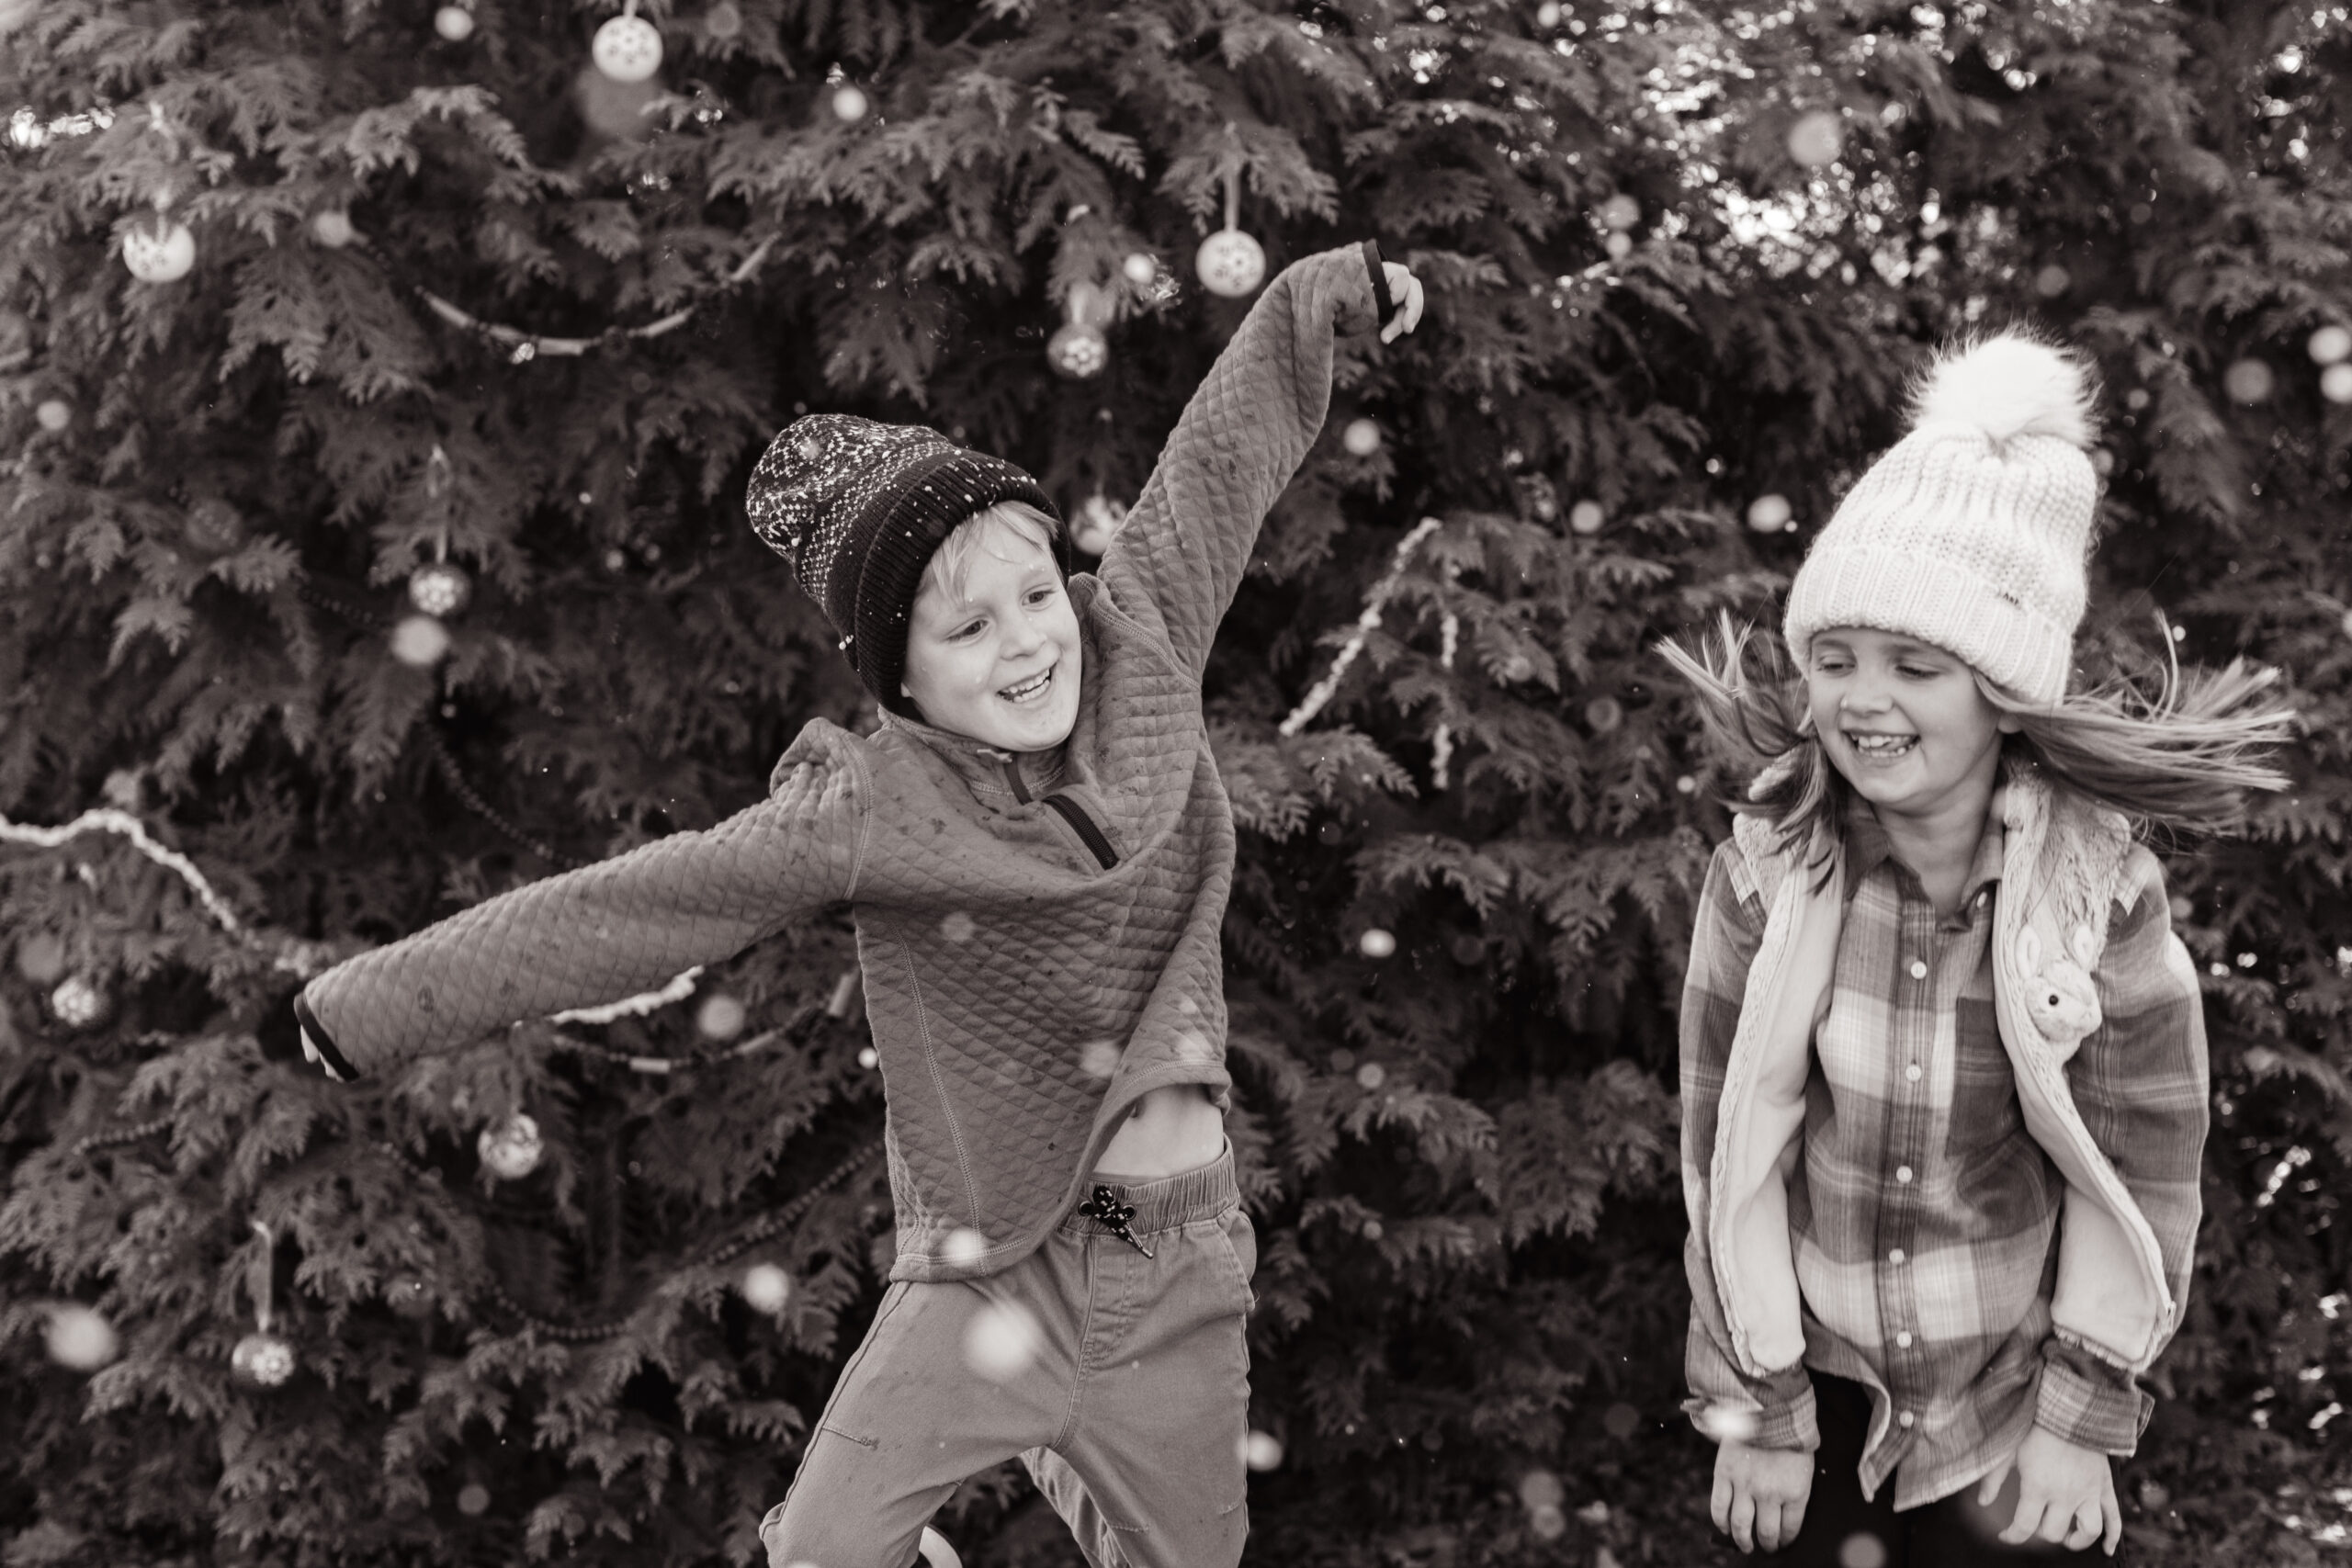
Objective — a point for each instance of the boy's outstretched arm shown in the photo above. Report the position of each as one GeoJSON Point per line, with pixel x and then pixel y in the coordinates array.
{"type": "Point", "coordinates": [1180, 556]}
{"type": "Point", "coordinates": [596, 935]}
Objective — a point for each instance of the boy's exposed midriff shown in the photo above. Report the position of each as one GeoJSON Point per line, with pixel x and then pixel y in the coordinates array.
{"type": "Point", "coordinates": [1171, 1130]}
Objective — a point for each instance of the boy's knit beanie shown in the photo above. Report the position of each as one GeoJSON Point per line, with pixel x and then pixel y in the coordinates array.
{"type": "Point", "coordinates": [1973, 532]}
{"type": "Point", "coordinates": [856, 508]}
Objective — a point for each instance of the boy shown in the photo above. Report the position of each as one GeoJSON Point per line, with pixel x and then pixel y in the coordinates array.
{"type": "Point", "coordinates": [1037, 850]}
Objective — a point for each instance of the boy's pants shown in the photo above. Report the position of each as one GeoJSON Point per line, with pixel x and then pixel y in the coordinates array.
{"type": "Point", "coordinates": [1131, 1409]}
{"type": "Point", "coordinates": [1840, 1530]}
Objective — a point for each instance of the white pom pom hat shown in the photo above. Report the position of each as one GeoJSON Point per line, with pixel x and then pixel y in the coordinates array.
{"type": "Point", "coordinates": [1973, 532]}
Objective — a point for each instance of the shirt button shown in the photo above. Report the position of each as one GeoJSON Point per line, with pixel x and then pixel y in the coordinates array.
{"type": "Point", "coordinates": [1903, 1340]}
{"type": "Point", "coordinates": [1918, 969]}
{"type": "Point", "coordinates": [1906, 1418]}
{"type": "Point", "coordinates": [1912, 1072]}
{"type": "Point", "coordinates": [1902, 1174]}
{"type": "Point", "coordinates": [1896, 1256]}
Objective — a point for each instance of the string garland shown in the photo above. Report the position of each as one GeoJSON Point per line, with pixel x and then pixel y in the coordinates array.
{"type": "Point", "coordinates": [521, 347]}
{"type": "Point", "coordinates": [107, 819]}
{"type": "Point", "coordinates": [1441, 742]}
{"type": "Point", "coordinates": [1375, 603]}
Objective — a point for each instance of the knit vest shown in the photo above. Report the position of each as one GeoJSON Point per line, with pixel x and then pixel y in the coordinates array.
{"type": "Point", "coordinates": [2062, 876]}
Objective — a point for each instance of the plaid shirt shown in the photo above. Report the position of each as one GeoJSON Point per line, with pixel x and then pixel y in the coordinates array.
{"type": "Point", "coordinates": [1923, 1216]}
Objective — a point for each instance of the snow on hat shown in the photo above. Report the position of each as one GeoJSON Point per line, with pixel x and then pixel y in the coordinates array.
{"type": "Point", "coordinates": [1972, 532]}
{"type": "Point", "coordinates": [856, 508]}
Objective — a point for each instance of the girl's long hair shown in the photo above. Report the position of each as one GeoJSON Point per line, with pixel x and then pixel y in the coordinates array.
{"type": "Point", "coordinates": [2181, 758]}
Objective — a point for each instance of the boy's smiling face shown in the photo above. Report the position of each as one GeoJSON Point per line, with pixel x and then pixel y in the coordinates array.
{"type": "Point", "coordinates": [998, 658]}
{"type": "Point", "coordinates": [1902, 720]}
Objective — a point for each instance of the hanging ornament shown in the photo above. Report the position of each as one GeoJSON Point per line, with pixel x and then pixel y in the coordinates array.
{"type": "Point", "coordinates": [439, 590]}
{"type": "Point", "coordinates": [212, 527]}
{"type": "Point", "coordinates": [473, 1499]}
{"type": "Point", "coordinates": [1078, 350]}
{"type": "Point", "coordinates": [1262, 1450]}
{"type": "Point", "coordinates": [1362, 437]}
{"type": "Point", "coordinates": [720, 1017]}
{"type": "Point", "coordinates": [53, 414]}
{"type": "Point", "coordinates": [1139, 268]}
{"type": "Point", "coordinates": [2335, 383]}
{"type": "Point", "coordinates": [77, 1003]}
{"type": "Point", "coordinates": [723, 21]}
{"type": "Point", "coordinates": [333, 228]}
{"type": "Point", "coordinates": [157, 250]}
{"type": "Point", "coordinates": [511, 1149]}
{"type": "Point", "coordinates": [41, 957]}
{"type": "Point", "coordinates": [1376, 943]}
{"type": "Point", "coordinates": [1768, 513]}
{"type": "Point", "coordinates": [1230, 262]}
{"type": "Point", "coordinates": [1604, 715]}
{"type": "Point", "coordinates": [420, 641]}
{"type": "Point", "coordinates": [1449, 642]}
{"type": "Point", "coordinates": [628, 48]}
{"type": "Point", "coordinates": [2248, 381]}
{"type": "Point", "coordinates": [1618, 247]}
{"type": "Point", "coordinates": [768, 1288]}
{"type": "Point", "coordinates": [1817, 138]}
{"type": "Point", "coordinates": [2331, 344]}
{"type": "Point", "coordinates": [262, 1360]}
{"type": "Point", "coordinates": [868, 1058]}
{"type": "Point", "coordinates": [1620, 211]}
{"type": "Point", "coordinates": [2052, 281]}
{"type": "Point", "coordinates": [1587, 518]}
{"type": "Point", "coordinates": [81, 1339]}
{"type": "Point", "coordinates": [849, 104]}
{"type": "Point", "coordinates": [1098, 520]}
{"type": "Point", "coordinates": [455, 23]}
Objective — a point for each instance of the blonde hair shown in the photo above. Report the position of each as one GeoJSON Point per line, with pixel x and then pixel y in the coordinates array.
{"type": "Point", "coordinates": [950, 568]}
{"type": "Point", "coordinates": [2181, 759]}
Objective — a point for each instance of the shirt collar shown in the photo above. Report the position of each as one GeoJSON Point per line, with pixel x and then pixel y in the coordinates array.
{"type": "Point", "coordinates": [1868, 847]}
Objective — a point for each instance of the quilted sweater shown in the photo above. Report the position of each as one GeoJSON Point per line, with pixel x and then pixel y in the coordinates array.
{"type": "Point", "coordinates": [1010, 913]}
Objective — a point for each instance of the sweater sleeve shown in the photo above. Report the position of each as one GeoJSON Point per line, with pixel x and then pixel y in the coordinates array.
{"type": "Point", "coordinates": [2143, 1087]}
{"type": "Point", "coordinates": [1178, 558]}
{"type": "Point", "coordinates": [1775, 1412]}
{"type": "Point", "coordinates": [596, 935]}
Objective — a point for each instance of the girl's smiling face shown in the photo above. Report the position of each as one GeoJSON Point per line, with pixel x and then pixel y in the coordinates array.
{"type": "Point", "coordinates": [997, 658]}
{"type": "Point", "coordinates": [1903, 721]}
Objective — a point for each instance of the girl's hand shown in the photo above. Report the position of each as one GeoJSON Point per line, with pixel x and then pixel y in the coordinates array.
{"type": "Point", "coordinates": [2065, 1492]}
{"type": "Point", "coordinates": [1760, 1493]}
{"type": "Point", "coordinates": [1406, 290]}
{"type": "Point", "coordinates": [310, 1051]}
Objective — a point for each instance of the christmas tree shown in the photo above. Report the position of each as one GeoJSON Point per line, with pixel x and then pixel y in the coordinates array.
{"type": "Point", "coordinates": [379, 384]}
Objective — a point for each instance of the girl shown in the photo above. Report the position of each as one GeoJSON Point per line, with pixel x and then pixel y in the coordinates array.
{"type": "Point", "coordinates": [1943, 1063]}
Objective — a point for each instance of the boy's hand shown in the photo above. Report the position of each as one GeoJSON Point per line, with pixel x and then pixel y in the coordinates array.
{"type": "Point", "coordinates": [1760, 1493]}
{"type": "Point", "coordinates": [1406, 290]}
{"type": "Point", "coordinates": [2065, 1492]}
{"type": "Point", "coordinates": [311, 1051]}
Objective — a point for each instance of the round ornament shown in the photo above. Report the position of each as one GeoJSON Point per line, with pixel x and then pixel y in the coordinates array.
{"type": "Point", "coordinates": [1231, 264]}
{"type": "Point", "coordinates": [333, 228]}
{"type": "Point", "coordinates": [1376, 943]}
{"type": "Point", "coordinates": [420, 641]}
{"type": "Point", "coordinates": [511, 1149]}
{"type": "Point", "coordinates": [1140, 269]}
{"type": "Point", "coordinates": [2330, 345]}
{"type": "Point", "coordinates": [81, 1339]}
{"type": "Point", "coordinates": [2335, 383]}
{"type": "Point", "coordinates": [158, 251]}
{"type": "Point", "coordinates": [1587, 518]}
{"type": "Point", "coordinates": [720, 1017]}
{"type": "Point", "coordinates": [77, 1002]}
{"type": "Point", "coordinates": [723, 21]}
{"type": "Point", "coordinates": [868, 1058]}
{"type": "Point", "coordinates": [439, 589]}
{"type": "Point", "coordinates": [212, 527]}
{"type": "Point", "coordinates": [1618, 247]}
{"type": "Point", "coordinates": [850, 105]}
{"type": "Point", "coordinates": [473, 1499]}
{"type": "Point", "coordinates": [454, 22]}
{"type": "Point", "coordinates": [1098, 520]}
{"type": "Point", "coordinates": [1620, 211]}
{"type": "Point", "coordinates": [768, 1288]}
{"type": "Point", "coordinates": [41, 957]}
{"type": "Point", "coordinates": [628, 48]}
{"type": "Point", "coordinates": [2052, 281]}
{"type": "Point", "coordinates": [2248, 381]}
{"type": "Point", "coordinates": [1262, 1450]}
{"type": "Point", "coordinates": [1078, 350]}
{"type": "Point", "coordinates": [53, 414]}
{"type": "Point", "coordinates": [1817, 138]}
{"type": "Point", "coordinates": [1362, 437]}
{"type": "Point", "coordinates": [262, 1360]}
{"type": "Point", "coordinates": [1604, 715]}
{"type": "Point", "coordinates": [1768, 513]}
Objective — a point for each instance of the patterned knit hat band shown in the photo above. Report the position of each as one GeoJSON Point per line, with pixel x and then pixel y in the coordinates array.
{"type": "Point", "coordinates": [856, 508]}
{"type": "Point", "coordinates": [1972, 532]}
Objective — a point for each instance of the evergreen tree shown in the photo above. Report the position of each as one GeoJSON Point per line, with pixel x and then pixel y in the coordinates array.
{"type": "Point", "coordinates": [450, 295]}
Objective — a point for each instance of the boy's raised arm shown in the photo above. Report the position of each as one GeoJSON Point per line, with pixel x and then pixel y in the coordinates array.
{"type": "Point", "coordinates": [596, 935]}
{"type": "Point", "coordinates": [1180, 556]}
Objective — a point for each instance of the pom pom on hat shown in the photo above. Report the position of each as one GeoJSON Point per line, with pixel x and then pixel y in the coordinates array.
{"type": "Point", "coordinates": [2008, 385]}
